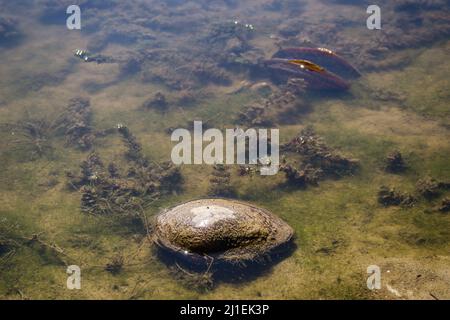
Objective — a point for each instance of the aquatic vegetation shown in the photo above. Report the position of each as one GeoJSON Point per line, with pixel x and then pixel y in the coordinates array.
{"type": "Point", "coordinates": [209, 73]}
{"type": "Point", "coordinates": [13, 241]}
{"type": "Point", "coordinates": [426, 188]}
{"type": "Point", "coordinates": [106, 191]}
{"type": "Point", "coordinates": [430, 188]}
{"type": "Point", "coordinates": [37, 135]}
{"type": "Point", "coordinates": [316, 153]}
{"type": "Point", "coordinates": [395, 162]}
{"type": "Point", "coordinates": [281, 106]}
{"type": "Point", "coordinates": [105, 195]}
{"type": "Point", "coordinates": [172, 68]}
{"type": "Point", "coordinates": [444, 206]}
{"type": "Point", "coordinates": [391, 197]}
{"type": "Point", "coordinates": [31, 136]}
{"type": "Point", "coordinates": [74, 123]}
{"type": "Point", "coordinates": [302, 176]}
{"type": "Point", "coordinates": [134, 152]}
{"type": "Point", "coordinates": [221, 33]}
{"type": "Point", "coordinates": [116, 264]}
{"type": "Point", "coordinates": [8, 240]}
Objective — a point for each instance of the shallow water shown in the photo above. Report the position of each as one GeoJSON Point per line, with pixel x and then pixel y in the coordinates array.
{"type": "Point", "coordinates": [401, 102]}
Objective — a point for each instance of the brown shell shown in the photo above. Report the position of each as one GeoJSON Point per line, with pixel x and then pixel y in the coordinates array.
{"type": "Point", "coordinates": [225, 230]}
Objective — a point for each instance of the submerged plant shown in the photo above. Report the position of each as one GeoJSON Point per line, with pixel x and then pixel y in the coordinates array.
{"type": "Point", "coordinates": [116, 264]}
{"type": "Point", "coordinates": [31, 136]}
{"type": "Point", "coordinates": [107, 192]}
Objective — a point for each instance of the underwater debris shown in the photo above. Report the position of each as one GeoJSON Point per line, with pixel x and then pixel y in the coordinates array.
{"type": "Point", "coordinates": [211, 231]}
{"type": "Point", "coordinates": [430, 188]}
{"type": "Point", "coordinates": [316, 153]}
{"type": "Point", "coordinates": [220, 182]}
{"type": "Point", "coordinates": [395, 162]}
{"type": "Point", "coordinates": [158, 102]}
{"type": "Point", "coordinates": [390, 197]}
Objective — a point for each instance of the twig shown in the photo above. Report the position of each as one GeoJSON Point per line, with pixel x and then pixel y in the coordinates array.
{"type": "Point", "coordinates": [434, 297]}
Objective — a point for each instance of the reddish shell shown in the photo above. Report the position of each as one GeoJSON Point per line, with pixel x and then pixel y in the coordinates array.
{"type": "Point", "coordinates": [322, 57]}
{"type": "Point", "coordinates": [316, 80]}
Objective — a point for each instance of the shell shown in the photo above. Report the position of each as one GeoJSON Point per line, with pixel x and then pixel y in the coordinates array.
{"type": "Point", "coordinates": [323, 57]}
{"type": "Point", "coordinates": [225, 230]}
{"type": "Point", "coordinates": [315, 80]}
